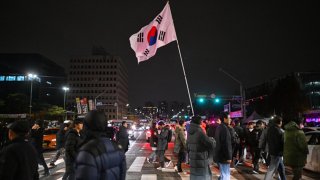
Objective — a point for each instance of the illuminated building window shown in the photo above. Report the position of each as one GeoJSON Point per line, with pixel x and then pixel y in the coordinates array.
{"type": "Point", "coordinates": [10, 78]}
{"type": "Point", "coordinates": [20, 78]}
{"type": "Point", "coordinates": [2, 78]}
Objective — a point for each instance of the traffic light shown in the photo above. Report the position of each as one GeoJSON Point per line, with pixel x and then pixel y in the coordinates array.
{"type": "Point", "coordinates": [217, 100]}
{"type": "Point", "coordinates": [201, 100]}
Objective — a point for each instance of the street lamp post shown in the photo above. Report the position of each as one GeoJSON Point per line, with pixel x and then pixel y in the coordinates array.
{"type": "Point", "coordinates": [242, 92]}
{"type": "Point", "coordinates": [65, 89]}
{"type": "Point", "coordinates": [31, 77]}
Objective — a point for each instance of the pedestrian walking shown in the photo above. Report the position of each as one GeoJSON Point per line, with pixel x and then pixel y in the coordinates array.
{"type": "Point", "coordinates": [162, 145]}
{"type": "Point", "coordinates": [199, 146]}
{"type": "Point", "coordinates": [74, 138]}
{"type": "Point", "coordinates": [153, 143]}
{"type": "Point", "coordinates": [36, 135]}
{"type": "Point", "coordinates": [123, 136]}
{"type": "Point", "coordinates": [254, 145]}
{"type": "Point", "coordinates": [180, 144]}
{"type": "Point", "coordinates": [275, 140]}
{"type": "Point", "coordinates": [224, 148]}
{"type": "Point", "coordinates": [99, 158]}
{"type": "Point", "coordinates": [238, 149]}
{"type": "Point", "coordinates": [295, 149]}
{"type": "Point", "coordinates": [18, 158]}
{"type": "Point", "coordinates": [60, 140]}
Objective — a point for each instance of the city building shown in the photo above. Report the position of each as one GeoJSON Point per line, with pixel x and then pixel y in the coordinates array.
{"type": "Point", "coordinates": [309, 83]}
{"type": "Point", "coordinates": [101, 79]}
{"type": "Point", "coordinates": [47, 80]}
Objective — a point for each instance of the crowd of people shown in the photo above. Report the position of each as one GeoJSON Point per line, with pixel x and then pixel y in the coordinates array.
{"type": "Point", "coordinates": [91, 151]}
{"type": "Point", "coordinates": [87, 146]}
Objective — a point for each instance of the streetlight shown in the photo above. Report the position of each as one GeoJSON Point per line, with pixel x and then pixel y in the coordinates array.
{"type": "Point", "coordinates": [242, 92]}
{"type": "Point", "coordinates": [31, 77]}
{"type": "Point", "coordinates": [65, 89]}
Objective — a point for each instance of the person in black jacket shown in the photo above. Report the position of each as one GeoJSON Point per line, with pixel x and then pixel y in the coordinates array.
{"type": "Point", "coordinates": [36, 135]}
{"type": "Point", "coordinates": [224, 148]}
{"type": "Point", "coordinates": [99, 158]}
{"type": "Point", "coordinates": [238, 149]}
{"type": "Point", "coordinates": [123, 136]}
{"type": "Point", "coordinates": [18, 159]}
{"type": "Point", "coordinates": [275, 141]}
{"type": "Point", "coordinates": [74, 139]}
{"type": "Point", "coordinates": [200, 148]}
{"type": "Point", "coordinates": [60, 140]}
{"type": "Point", "coordinates": [255, 150]}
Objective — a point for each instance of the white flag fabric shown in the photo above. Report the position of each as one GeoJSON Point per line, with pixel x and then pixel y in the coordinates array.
{"type": "Point", "coordinates": [156, 34]}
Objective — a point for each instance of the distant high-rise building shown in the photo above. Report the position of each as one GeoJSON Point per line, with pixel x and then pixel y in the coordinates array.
{"type": "Point", "coordinates": [102, 78]}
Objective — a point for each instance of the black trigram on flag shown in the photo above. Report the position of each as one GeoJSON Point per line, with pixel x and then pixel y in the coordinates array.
{"type": "Point", "coordinates": [146, 52]}
{"type": "Point", "coordinates": [161, 35]}
{"type": "Point", "coordinates": [159, 19]}
{"type": "Point", "coordinates": [140, 37]}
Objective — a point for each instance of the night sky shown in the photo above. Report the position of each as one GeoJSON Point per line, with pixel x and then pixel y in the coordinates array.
{"type": "Point", "coordinates": [254, 41]}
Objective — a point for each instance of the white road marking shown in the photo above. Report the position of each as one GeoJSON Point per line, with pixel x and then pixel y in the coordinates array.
{"type": "Point", "coordinates": [137, 164]}
{"type": "Point", "coordinates": [149, 177]}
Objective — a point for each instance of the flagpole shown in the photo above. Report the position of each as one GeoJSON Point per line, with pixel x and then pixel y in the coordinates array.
{"type": "Point", "coordinates": [185, 77]}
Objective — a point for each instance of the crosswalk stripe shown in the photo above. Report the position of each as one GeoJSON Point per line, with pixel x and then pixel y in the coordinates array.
{"type": "Point", "coordinates": [137, 164]}
{"type": "Point", "coordinates": [149, 177]}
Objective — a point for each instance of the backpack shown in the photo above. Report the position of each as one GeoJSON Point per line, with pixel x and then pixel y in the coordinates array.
{"type": "Point", "coordinates": [169, 137]}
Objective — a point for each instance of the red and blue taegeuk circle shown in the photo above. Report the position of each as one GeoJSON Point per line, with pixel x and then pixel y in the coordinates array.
{"type": "Point", "coordinates": [152, 36]}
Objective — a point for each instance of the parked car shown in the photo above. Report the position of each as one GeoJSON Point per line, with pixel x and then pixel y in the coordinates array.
{"type": "Point", "coordinates": [308, 129]}
{"type": "Point", "coordinates": [49, 138]}
{"type": "Point", "coordinates": [313, 158]}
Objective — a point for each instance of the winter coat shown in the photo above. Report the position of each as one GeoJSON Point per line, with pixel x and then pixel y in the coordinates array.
{"type": "Point", "coordinates": [18, 161]}
{"type": "Point", "coordinates": [73, 142]}
{"type": "Point", "coordinates": [275, 140]}
{"type": "Point", "coordinates": [199, 147]}
{"type": "Point", "coordinates": [180, 140]}
{"type": "Point", "coordinates": [163, 139]}
{"type": "Point", "coordinates": [61, 137]}
{"type": "Point", "coordinates": [223, 144]}
{"type": "Point", "coordinates": [295, 145]}
{"type": "Point", "coordinates": [36, 136]}
{"type": "Point", "coordinates": [154, 137]}
{"type": "Point", "coordinates": [263, 145]}
{"type": "Point", "coordinates": [253, 137]}
{"type": "Point", "coordinates": [123, 138]}
{"type": "Point", "coordinates": [212, 130]}
{"type": "Point", "coordinates": [100, 159]}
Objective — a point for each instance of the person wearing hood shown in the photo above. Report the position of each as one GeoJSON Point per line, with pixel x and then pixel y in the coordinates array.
{"type": "Point", "coordinates": [295, 149]}
{"type": "Point", "coordinates": [123, 136]}
{"type": "Point", "coordinates": [99, 158]}
{"type": "Point", "coordinates": [74, 139]}
{"type": "Point", "coordinates": [199, 147]}
{"type": "Point", "coordinates": [224, 147]}
{"type": "Point", "coordinates": [18, 159]}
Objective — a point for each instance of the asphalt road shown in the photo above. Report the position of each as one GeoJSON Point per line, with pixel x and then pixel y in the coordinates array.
{"type": "Point", "coordinates": [139, 168]}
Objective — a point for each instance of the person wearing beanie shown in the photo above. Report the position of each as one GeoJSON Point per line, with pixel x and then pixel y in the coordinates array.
{"type": "Point", "coordinates": [99, 158]}
{"type": "Point", "coordinates": [199, 147]}
{"type": "Point", "coordinates": [18, 159]}
{"type": "Point", "coordinates": [74, 138]}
